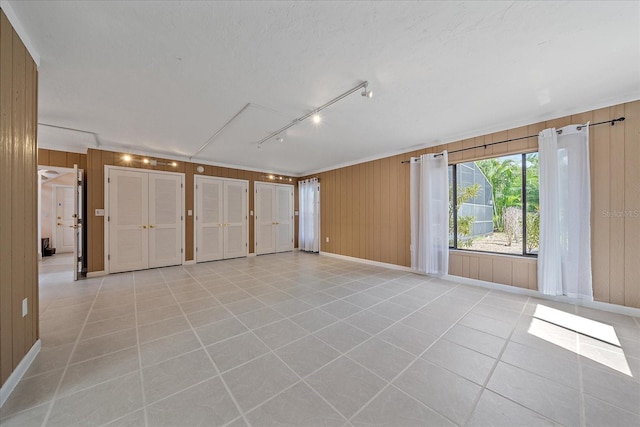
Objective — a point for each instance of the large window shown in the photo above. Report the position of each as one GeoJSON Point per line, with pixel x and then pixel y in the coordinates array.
{"type": "Point", "coordinates": [496, 205]}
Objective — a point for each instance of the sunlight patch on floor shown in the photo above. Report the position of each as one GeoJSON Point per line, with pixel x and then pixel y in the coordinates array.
{"type": "Point", "coordinates": [594, 340]}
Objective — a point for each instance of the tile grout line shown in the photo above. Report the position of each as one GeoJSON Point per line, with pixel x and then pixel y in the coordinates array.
{"type": "Point", "coordinates": [73, 350]}
{"type": "Point", "coordinates": [419, 356]}
{"type": "Point", "coordinates": [121, 417]}
{"type": "Point", "coordinates": [497, 361]}
{"type": "Point", "coordinates": [215, 366]}
{"type": "Point", "coordinates": [101, 292]}
{"type": "Point", "coordinates": [508, 340]}
{"type": "Point", "coordinates": [582, 409]}
{"type": "Point", "coordinates": [300, 379]}
{"type": "Point", "coordinates": [303, 379]}
{"type": "Point", "coordinates": [308, 333]}
{"type": "Point", "coordinates": [139, 351]}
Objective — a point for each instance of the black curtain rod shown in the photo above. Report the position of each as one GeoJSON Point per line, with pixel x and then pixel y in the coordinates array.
{"type": "Point", "coordinates": [612, 122]}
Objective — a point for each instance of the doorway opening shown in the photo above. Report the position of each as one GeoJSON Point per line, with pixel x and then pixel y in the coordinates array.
{"type": "Point", "coordinates": [61, 213]}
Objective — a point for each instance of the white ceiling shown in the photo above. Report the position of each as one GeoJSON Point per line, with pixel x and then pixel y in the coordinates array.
{"type": "Point", "coordinates": [162, 77]}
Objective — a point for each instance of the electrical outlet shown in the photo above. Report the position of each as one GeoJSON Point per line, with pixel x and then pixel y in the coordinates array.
{"type": "Point", "coordinates": [25, 307]}
{"type": "Point", "coordinates": [327, 240]}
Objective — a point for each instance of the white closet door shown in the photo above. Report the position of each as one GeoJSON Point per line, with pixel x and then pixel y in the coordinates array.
{"type": "Point", "coordinates": [209, 219]}
{"type": "Point", "coordinates": [265, 219]}
{"type": "Point", "coordinates": [65, 231]}
{"type": "Point", "coordinates": [284, 218]}
{"type": "Point", "coordinates": [128, 215]}
{"type": "Point", "coordinates": [165, 221]}
{"type": "Point", "coordinates": [235, 219]}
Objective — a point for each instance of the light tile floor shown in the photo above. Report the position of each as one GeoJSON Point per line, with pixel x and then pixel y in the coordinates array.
{"type": "Point", "coordinates": [304, 340]}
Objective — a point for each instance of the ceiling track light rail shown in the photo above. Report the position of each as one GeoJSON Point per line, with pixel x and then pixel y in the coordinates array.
{"type": "Point", "coordinates": [294, 122]}
{"type": "Point", "coordinates": [210, 140]}
{"type": "Point", "coordinates": [95, 135]}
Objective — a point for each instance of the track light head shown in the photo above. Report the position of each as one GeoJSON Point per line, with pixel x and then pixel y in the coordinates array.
{"type": "Point", "coordinates": [316, 118]}
{"type": "Point", "coordinates": [367, 93]}
{"type": "Point", "coordinates": [280, 139]}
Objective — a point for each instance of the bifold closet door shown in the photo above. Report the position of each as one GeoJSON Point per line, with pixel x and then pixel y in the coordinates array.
{"type": "Point", "coordinates": [235, 219]}
{"type": "Point", "coordinates": [145, 220]}
{"type": "Point", "coordinates": [165, 220]}
{"type": "Point", "coordinates": [265, 219]}
{"type": "Point", "coordinates": [274, 218]}
{"type": "Point", "coordinates": [209, 222]}
{"type": "Point", "coordinates": [284, 218]}
{"type": "Point", "coordinates": [221, 218]}
{"type": "Point", "coordinates": [128, 215]}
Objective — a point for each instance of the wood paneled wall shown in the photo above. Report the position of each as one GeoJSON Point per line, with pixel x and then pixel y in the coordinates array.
{"type": "Point", "coordinates": [96, 161]}
{"type": "Point", "coordinates": [365, 207]}
{"type": "Point", "coordinates": [61, 159]}
{"type": "Point", "coordinates": [18, 199]}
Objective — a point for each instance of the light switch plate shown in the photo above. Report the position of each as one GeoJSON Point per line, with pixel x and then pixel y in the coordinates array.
{"type": "Point", "coordinates": [25, 307]}
{"type": "Point", "coordinates": [189, 212]}
{"type": "Point", "coordinates": [99, 212]}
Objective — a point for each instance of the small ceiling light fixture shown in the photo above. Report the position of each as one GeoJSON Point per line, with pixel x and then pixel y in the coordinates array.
{"type": "Point", "coordinates": [126, 158]}
{"type": "Point", "coordinates": [145, 161]}
{"type": "Point", "coordinates": [174, 164]}
{"type": "Point", "coordinates": [280, 139]}
{"type": "Point", "coordinates": [367, 93]}
{"type": "Point", "coordinates": [314, 113]}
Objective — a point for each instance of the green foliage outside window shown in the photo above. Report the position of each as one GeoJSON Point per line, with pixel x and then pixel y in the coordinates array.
{"type": "Point", "coordinates": [465, 223]}
{"type": "Point", "coordinates": [505, 175]}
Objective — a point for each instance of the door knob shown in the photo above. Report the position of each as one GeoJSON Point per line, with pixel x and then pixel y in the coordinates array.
{"type": "Point", "coordinates": [152, 226]}
{"type": "Point", "coordinates": [59, 223]}
{"type": "Point", "coordinates": [144, 226]}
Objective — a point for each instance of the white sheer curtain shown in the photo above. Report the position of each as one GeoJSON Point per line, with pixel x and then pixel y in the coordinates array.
{"type": "Point", "coordinates": [564, 259]}
{"type": "Point", "coordinates": [309, 215]}
{"type": "Point", "coordinates": [430, 213]}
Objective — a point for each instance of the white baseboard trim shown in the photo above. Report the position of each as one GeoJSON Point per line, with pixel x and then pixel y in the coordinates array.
{"type": "Point", "coordinates": [16, 375]}
{"type": "Point", "coordinates": [612, 308]}
{"type": "Point", "coordinates": [190, 262]}
{"type": "Point", "coordinates": [96, 274]}
{"type": "Point", "coordinates": [252, 254]}
{"type": "Point", "coordinates": [368, 261]}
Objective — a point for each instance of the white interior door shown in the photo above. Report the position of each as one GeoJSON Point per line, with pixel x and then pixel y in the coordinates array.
{"type": "Point", "coordinates": [165, 220]}
{"type": "Point", "coordinates": [284, 218]}
{"type": "Point", "coordinates": [235, 219]}
{"type": "Point", "coordinates": [65, 235]}
{"type": "Point", "coordinates": [265, 219]}
{"type": "Point", "coordinates": [77, 221]}
{"type": "Point", "coordinates": [209, 219]}
{"type": "Point", "coordinates": [128, 216]}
